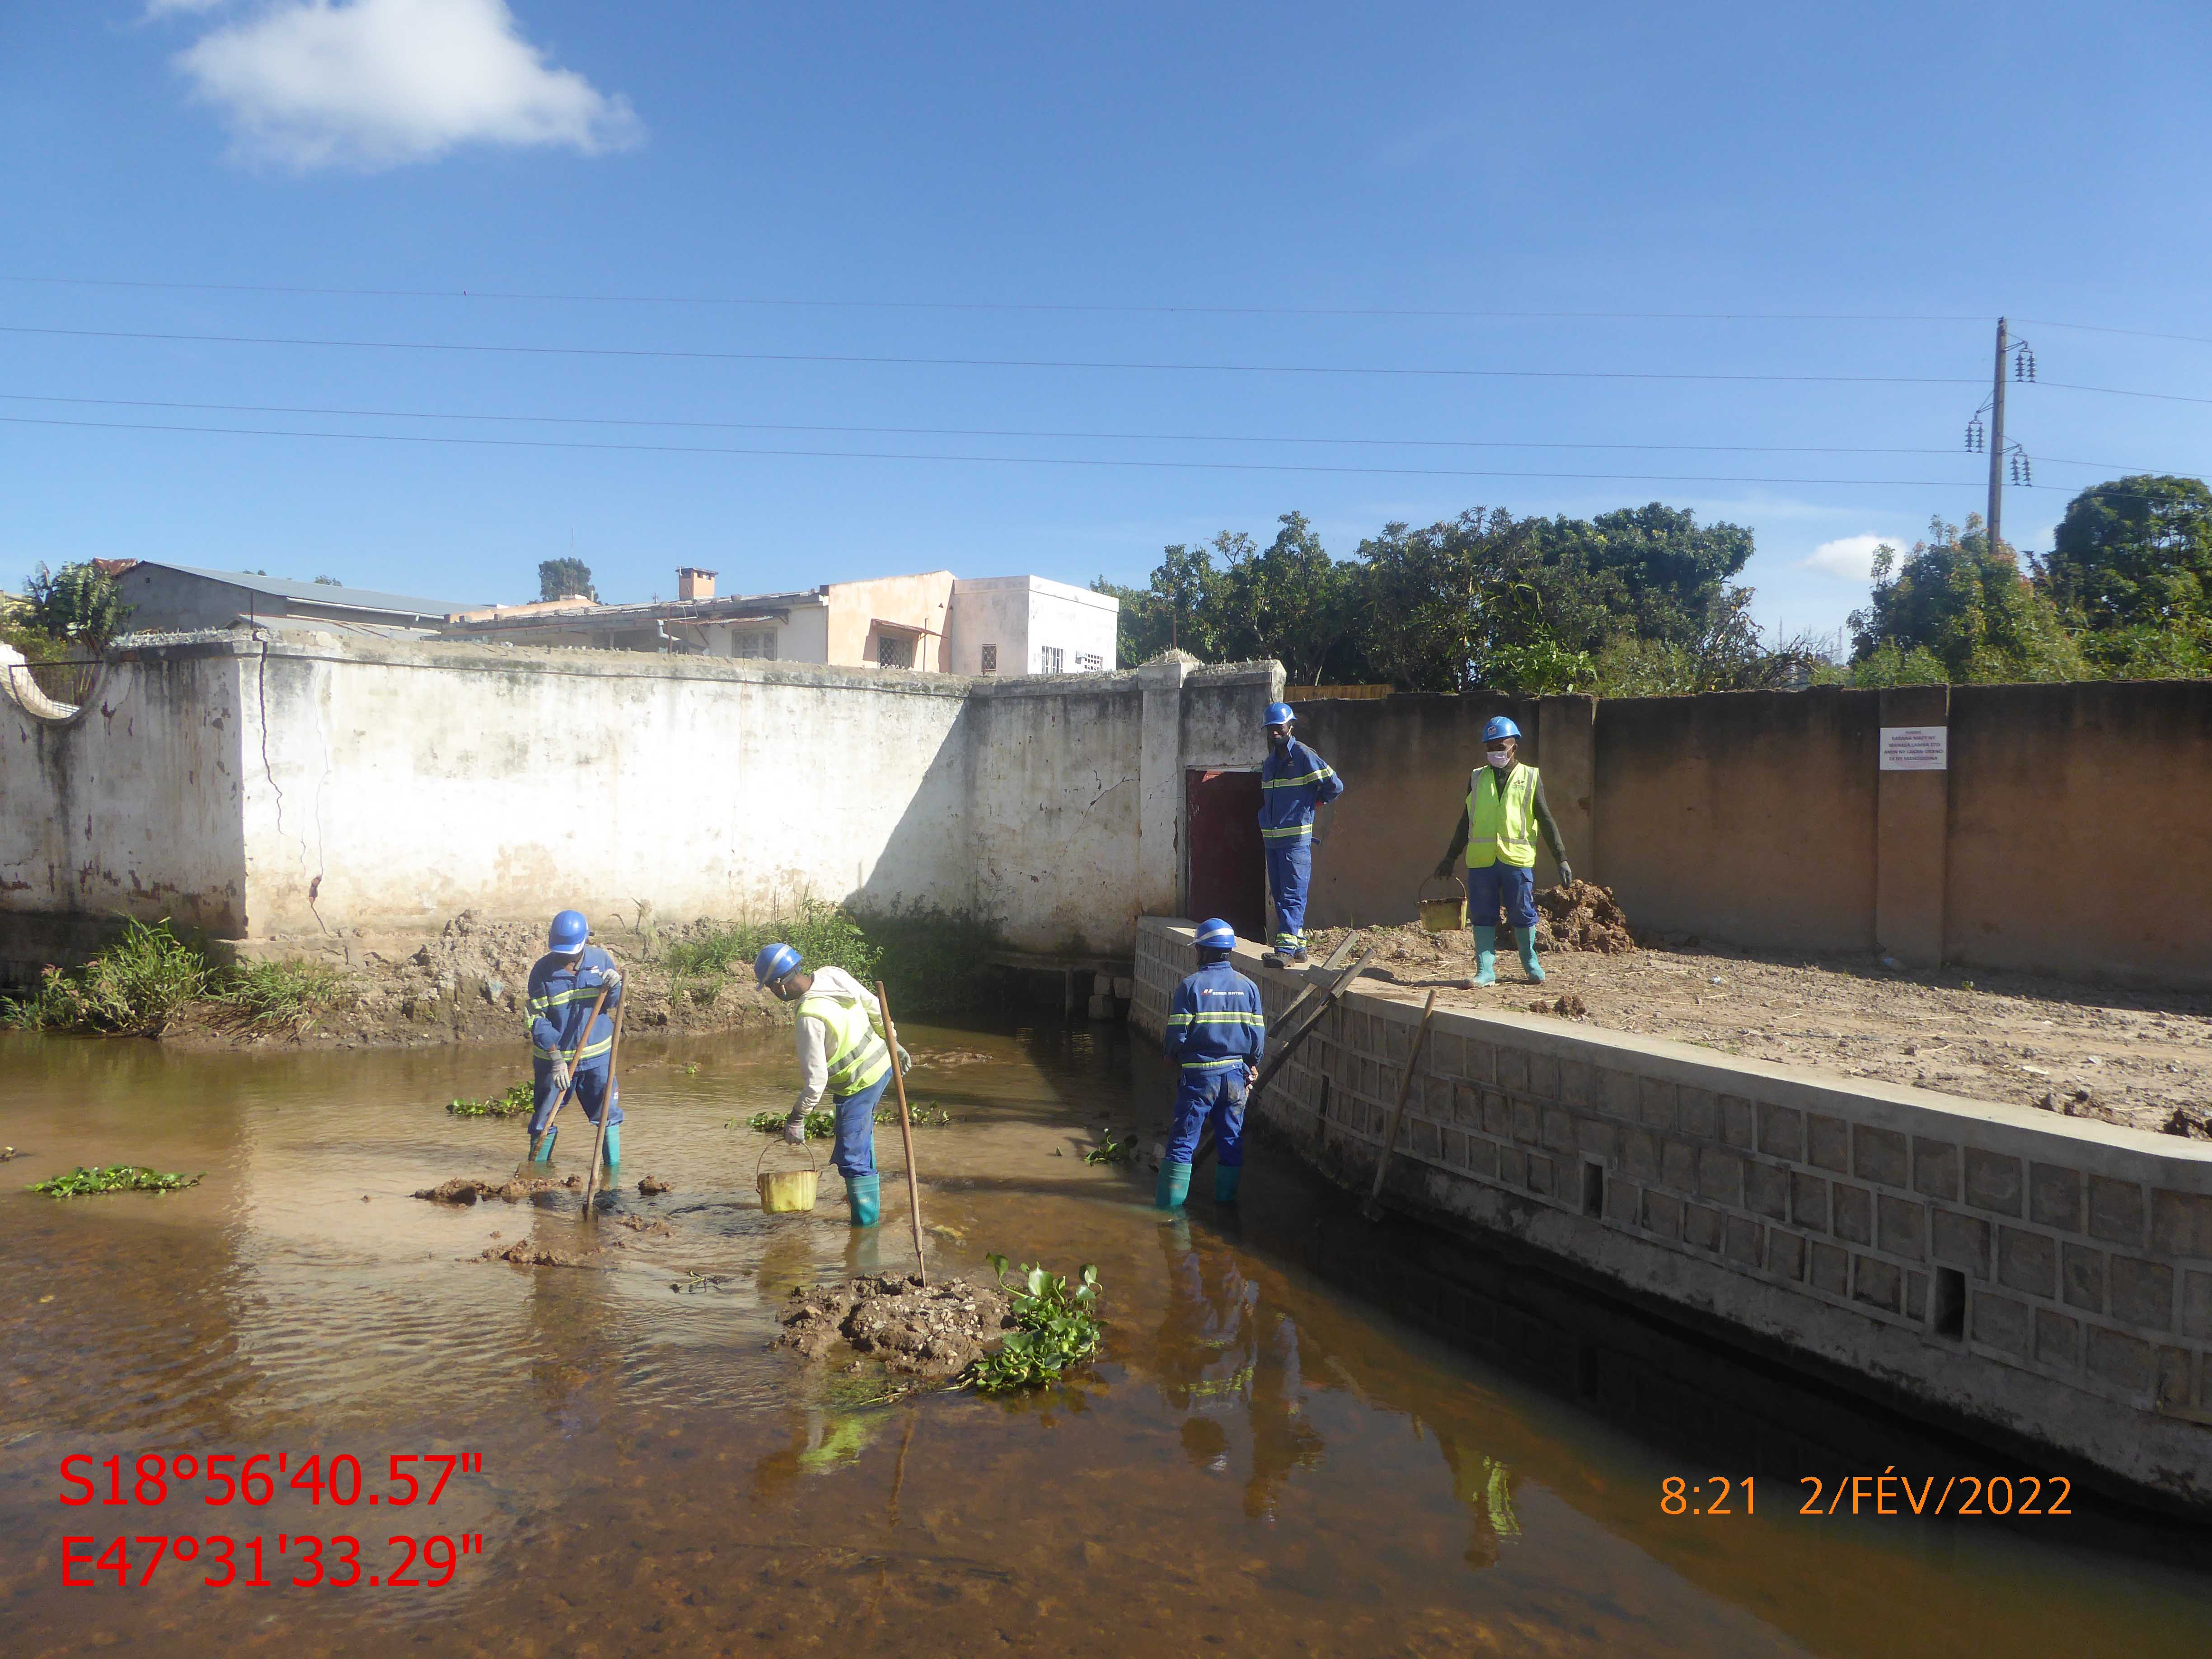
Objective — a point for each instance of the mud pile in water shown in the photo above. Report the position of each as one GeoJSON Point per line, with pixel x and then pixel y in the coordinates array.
{"type": "Point", "coordinates": [527, 1253]}
{"type": "Point", "coordinates": [467, 1189]}
{"type": "Point", "coordinates": [1583, 917]}
{"type": "Point", "coordinates": [936, 1331]}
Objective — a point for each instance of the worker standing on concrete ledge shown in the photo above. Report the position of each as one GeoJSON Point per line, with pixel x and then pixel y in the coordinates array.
{"type": "Point", "coordinates": [1294, 782]}
{"type": "Point", "coordinates": [842, 1053]}
{"type": "Point", "coordinates": [1215, 1031]}
{"type": "Point", "coordinates": [564, 983]}
{"type": "Point", "coordinates": [1505, 806]}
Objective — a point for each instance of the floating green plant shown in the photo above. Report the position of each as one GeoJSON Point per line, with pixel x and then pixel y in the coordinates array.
{"type": "Point", "coordinates": [1056, 1326]}
{"type": "Point", "coordinates": [86, 1180]}
{"type": "Point", "coordinates": [513, 1103]}
{"type": "Point", "coordinates": [823, 1126]}
{"type": "Point", "coordinates": [1110, 1150]}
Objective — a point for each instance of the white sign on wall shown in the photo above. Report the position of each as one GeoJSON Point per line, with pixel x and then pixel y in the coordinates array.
{"type": "Point", "coordinates": [1916, 748]}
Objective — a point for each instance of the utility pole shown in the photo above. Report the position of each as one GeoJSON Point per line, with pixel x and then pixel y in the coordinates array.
{"type": "Point", "coordinates": [1997, 441]}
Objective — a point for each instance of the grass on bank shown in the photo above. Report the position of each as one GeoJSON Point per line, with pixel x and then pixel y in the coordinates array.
{"type": "Point", "coordinates": [139, 985]}
{"type": "Point", "coordinates": [86, 1180]}
{"type": "Point", "coordinates": [927, 959]}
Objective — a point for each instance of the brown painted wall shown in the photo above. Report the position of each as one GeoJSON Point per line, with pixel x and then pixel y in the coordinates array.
{"type": "Point", "coordinates": [2082, 828]}
{"type": "Point", "coordinates": [1404, 761]}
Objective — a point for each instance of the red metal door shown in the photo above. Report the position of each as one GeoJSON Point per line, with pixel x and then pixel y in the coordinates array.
{"type": "Point", "coordinates": [1228, 864]}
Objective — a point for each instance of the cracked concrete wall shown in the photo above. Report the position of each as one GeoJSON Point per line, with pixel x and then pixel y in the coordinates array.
{"type": "Point", "coordinates": [129, 804]}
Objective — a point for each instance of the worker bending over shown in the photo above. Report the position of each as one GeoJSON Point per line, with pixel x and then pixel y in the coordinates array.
{"type": "Point", "coordinates": [1293, 782]}
{"type": "Point", "coordinates": [842, 1053]}
{"type": "Point", "coordinates": [564, 983]}
{"type": "Point", "coordinates": [1216, 1032]}
{"type": "Point", "coordinates": [1505, 806]}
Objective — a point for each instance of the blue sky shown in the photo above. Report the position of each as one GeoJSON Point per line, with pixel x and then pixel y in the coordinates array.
{"type": "Point", "coordinates": [1253, 188]}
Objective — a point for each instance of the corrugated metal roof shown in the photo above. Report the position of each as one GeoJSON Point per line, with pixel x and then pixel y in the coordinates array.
{"type": "Point", "coordinates": [356, 599]}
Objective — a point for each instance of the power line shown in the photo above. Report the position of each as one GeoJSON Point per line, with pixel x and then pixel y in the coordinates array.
{"type": "Point", "coordinates": [1015, 460]}
{"type": "Point", "coordinates": [1003, 362]}
{"type": "Point", "coordinates": [1010, 432]}
{"type": "Point", "coordinates": [773, 301]}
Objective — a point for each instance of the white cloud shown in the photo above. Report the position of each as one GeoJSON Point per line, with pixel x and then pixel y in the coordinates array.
{"type": "Point", "coordinates": [1849, 556]}
{"type": "Point", "coordinates": [379, 83]}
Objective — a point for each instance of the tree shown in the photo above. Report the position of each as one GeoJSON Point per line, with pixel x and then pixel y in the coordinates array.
{"type": "Point", "coordinates": [77, 603]}
{"type": "Point", "coordinates": [1967, 607]}
{"type": "Point", "coordinates": [2138, 550]}
{"type": "Point", "coordinates": [565, 579]}
{"type": "Point", "coordinates": [1291, 602]}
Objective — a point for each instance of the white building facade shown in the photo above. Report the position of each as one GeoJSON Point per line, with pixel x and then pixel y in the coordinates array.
{"type": "Point", "coordinates": [1015, 625]}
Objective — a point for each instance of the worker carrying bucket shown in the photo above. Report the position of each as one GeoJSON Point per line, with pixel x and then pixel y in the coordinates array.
{"type": "Point", "coordinates": [574, 989]}
{"type": "Point", "coordinates": [1216, 1032]}
{"type": "Point", "coordinates": [1505, 807]}
{"type": "Point", "coordinates": [1294, 781]}
{"type": "Point", "coordinates": [842, 1053]}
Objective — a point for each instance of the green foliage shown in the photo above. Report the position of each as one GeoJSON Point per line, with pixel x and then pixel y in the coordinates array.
{"type": "Point", "coordinates": [289, 995]}
{"type": "Point", "coordinates": [2176, 651]}
{"type": "Point", "coordinates": [136, 986]}
{"type": "Point", "coordinates": [76, 603]}
{"type": "Point", "coordinates": [86, 1180]}
{"type": "Point", "coordinates": [823, 1126]}
{"type": "Point", "coordinates": [1056, 1326]}
{"type": "Point", "coordinates": [1969, 607]}
{"type": "Point", "coordinates": [2134, 553]}
{"type": "Point", "coordinates": [824, 934]}
{"type": "Point", "coordinates": [518, 1099]}
{"type": "Point", "coordinates": [1110, 1150]}
{"type": "Point", "coordinates": [565, 579]}
{"type": "Point", "coordinates": [927, 959]}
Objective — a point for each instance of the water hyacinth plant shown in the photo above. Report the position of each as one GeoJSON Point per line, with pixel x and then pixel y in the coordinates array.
{"type": "Point", "coordinates": [513, 1103]}
{"type": "Point", "coordinates": [1056, 1326]}
{"type": "Point", "coordinates": [87, 1180]}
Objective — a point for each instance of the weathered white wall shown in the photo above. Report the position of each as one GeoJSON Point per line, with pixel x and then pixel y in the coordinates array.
{"type": "Point", "coordinates": [1021, 615]}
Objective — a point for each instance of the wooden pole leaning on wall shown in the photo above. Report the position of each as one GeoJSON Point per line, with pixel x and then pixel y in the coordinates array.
{"type": "Point", "coordinates": [1299, 1027]}
{"type": "Point", "coordinates": [906, 1134]}
{"type": "Point", "coordinates": [1372, 1209]}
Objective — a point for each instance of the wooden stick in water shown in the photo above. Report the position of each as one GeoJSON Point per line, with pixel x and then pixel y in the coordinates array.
{"type": "Point", "coordinates": [906, 1134]}
{"type": "Point", "coordinates": [606, 1106]}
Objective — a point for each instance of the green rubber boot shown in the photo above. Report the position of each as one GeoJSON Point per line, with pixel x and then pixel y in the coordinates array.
{"type": "Point", "coordinates": [1225, 1181]}
{"type": "Point", "coordinates": [1530, 965]}
{"type": "Point", "coordinates": [1174, 1187]}
{"type": "Point", "coordinates": [614, 1147]}
{"type": "Point", "coordinates": [865, 1195]}
{"type": "Point", "coordinates": [1485, 956]}
{"type": "Point", "coordinates": [541, 1145]}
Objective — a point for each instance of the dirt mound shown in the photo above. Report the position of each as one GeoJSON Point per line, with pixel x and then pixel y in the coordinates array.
{"type": "Point", "coordinates": [467, 1189]}
{"type": "Point", "coordinates": [1569, 1006]}
{"type": "Point", "coordinates": [524, 1254]}
{"type": "Point", "coordinates": [654, 1184]}
{"type": "Point", "coordinates": [1583, 917]}
{"type": "Point", "coordinates": [933, 1332]}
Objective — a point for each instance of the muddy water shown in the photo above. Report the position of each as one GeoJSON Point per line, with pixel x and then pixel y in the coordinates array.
{"type": "Point", "coordinates": [1281, 1454]}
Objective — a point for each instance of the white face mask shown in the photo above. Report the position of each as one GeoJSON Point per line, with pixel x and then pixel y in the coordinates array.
{"type": "Point", "coordinates": [1498, 758]}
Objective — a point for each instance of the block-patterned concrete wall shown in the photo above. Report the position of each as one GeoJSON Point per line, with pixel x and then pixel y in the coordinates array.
{"type": "Point", "coordinates": [2044, 1277]}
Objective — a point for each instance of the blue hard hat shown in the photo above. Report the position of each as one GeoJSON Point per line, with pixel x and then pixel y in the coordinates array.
{"type": "Point", "coordinates": [774, 962]}
{"type": "Point", "coordinates": [568, 934]}
{"type": "Point", "coordinates": [1279, 713]}
{"type": "Point", "coordinates": [1499, 726]}
{"type": "Point", "coordinates": [1216, 935]}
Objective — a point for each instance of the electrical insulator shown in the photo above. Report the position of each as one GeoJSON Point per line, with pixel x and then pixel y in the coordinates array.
{"type": "Point", "coordinates": [2026, 471]}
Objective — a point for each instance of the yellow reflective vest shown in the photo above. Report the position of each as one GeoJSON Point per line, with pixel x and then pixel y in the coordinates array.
{"type": "Point", "coordinates": [1501, 819]}
{"type": "Point", "coordinates": [857, 1055]}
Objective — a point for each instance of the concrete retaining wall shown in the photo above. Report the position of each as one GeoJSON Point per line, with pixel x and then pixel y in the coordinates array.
{"type": "Point", "coordinates": [2040, 1280]}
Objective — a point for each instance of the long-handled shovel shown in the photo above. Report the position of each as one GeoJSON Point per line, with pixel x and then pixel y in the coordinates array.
{"type": "Point", "coordinates": [607, 1105]}
{"type": "Point", "coordinates": [565, 1093]}
{"type": "Point", "coordinates": [1372, 1209]}
{"type": "Point", "coordinates": [906, 1134]}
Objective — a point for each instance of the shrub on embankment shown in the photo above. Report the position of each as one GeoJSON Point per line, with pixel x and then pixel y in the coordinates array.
{"type": "Point", "coordinates": [140, 985]}
{"type": "Point", "coordinates": [927, 959]}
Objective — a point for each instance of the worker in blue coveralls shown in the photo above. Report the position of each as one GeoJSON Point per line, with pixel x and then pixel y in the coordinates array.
{"type": "Point", "coordinates": [1216, 1033]}
{"type": "Point", "coordinates": [842, 1054]}
{"type": "Point", "coordinates": [564, 983]}
{"type": "Point", "coordinates": [1505, 809]}
{"type": "Point", "coordinates": [1293, 782]}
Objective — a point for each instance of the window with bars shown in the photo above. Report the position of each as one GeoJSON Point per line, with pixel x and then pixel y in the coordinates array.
{"type": "Point", "coordinates": [1051, 660]}
{"type": "Point", "coordinates": [894, 651]}
{"type": "Point", "coordinates": [990, 659]}
{"type": "Point", "coordinates": [753, 645]}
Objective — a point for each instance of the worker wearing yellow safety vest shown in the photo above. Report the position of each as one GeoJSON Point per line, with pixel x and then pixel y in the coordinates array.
{"type": "Point", "coordinates": [842, 1055]}
{"type": "Point", "coordinates": [1505, 809]}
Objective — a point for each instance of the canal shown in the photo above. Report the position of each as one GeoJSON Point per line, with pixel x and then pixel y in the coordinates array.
{"type": "Point", "coordinates": [1308, 1435]}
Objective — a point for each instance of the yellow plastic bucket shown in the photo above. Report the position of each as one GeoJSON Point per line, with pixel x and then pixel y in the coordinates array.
{"type": "Point", "coordinates": [786, 1191]}
{"type": "Point", "coordinates": [1447, 915]}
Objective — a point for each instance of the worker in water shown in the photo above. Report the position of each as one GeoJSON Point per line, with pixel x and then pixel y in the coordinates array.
{"type": "Point", "coordinates": [1506, 808]}
{"type": "Point", "coordinates": [1216, 1033]}
{"type": "Point", "coordinates": [1293, 782]}
{"type": "Point", "coordinates": [842, 1055]}
{"type": "Point", "coordinates": [564, 985]}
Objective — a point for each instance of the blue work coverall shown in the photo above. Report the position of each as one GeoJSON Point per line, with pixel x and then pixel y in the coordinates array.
{"type": "Point", "coordinates": [1216, 1028]}
{"type": "Point", "coordinates": [561, 992]}
{"type": "Point", "coordinates": [1291, 785]}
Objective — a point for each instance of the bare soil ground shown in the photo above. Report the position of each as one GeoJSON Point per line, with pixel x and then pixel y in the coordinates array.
{"type": "Point", "coordinates": [933, 1331]}
{"type": "Point", "coordinates": [2139, 1059]}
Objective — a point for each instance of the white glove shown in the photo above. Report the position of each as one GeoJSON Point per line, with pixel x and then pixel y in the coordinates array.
{"type": "Point", "coordinates": [613, 980]}
{"type": "Point", "coordinates": [794, 1129]}
{"type": "Point", "coordinates": [905, 1061]}
{"type": "Point", "coordinates": [560, 1078]}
